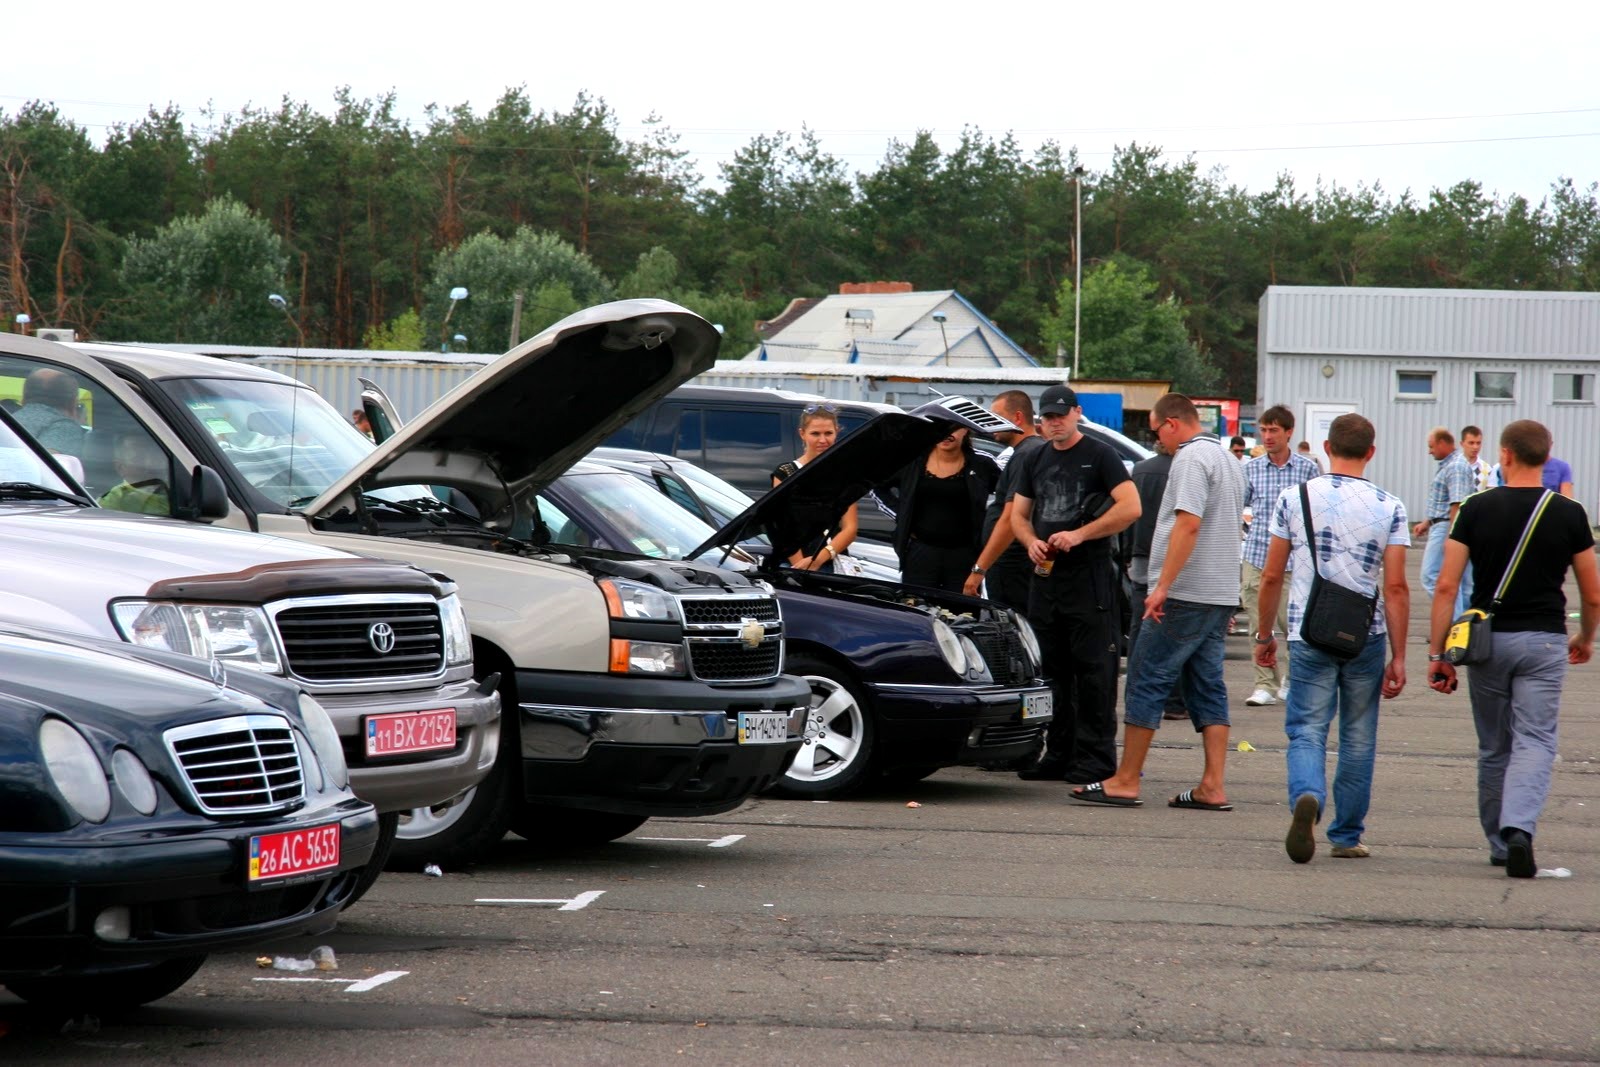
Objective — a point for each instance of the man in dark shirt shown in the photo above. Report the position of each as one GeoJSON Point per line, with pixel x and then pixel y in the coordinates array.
{"type": "Point", "coordinates": [1003, 569]}
{"type": "Point", "coordinates": [1516, 693]}
{"type": "Point", "coordinates": [1070, 499]}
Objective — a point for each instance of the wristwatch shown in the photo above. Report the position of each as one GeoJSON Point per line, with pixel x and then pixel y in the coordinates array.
{"type": "Point", "coordinates": [978, 570]}
{"type": "Point", "coordinates": [1435, 657]}
{"type": "Point", "coordinates": [1267, 640]}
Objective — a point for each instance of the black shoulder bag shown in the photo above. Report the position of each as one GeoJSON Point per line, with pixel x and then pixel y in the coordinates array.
{"type": "Point", "coordinates": [1336, 620]}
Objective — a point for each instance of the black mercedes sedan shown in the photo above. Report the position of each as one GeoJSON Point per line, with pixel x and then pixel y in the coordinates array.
{"type": "Point", "coordinates": [154, 808]}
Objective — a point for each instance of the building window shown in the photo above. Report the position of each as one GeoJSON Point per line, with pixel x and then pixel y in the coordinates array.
{"type": "Point", "coordinates": [1414, 384]}
{"type": "Point", "coordinates": [1573, 389]}
{"type": "Point", "coordinates": [1494, 385]}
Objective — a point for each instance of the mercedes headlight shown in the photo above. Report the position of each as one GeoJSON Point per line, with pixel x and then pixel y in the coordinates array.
{"type": "Point", "coordinates": [75, 770]}
{"type": "Point", "coordinates": [949, 646]}
{"type": "Point", "coordinates": [1030, 640]}
{"type": "Point", "coordinates": [134, 781]}
{"type": "Point", "coordinates": [236, 634]}
{"type": "Point", "coordinates": [635, 600]}
{"type": "Point", "coordinates": [324, 741]}
{"type": "Point", "coordinates": [457, 637]}
{"type": "Point", "coordinates": [976, 667]}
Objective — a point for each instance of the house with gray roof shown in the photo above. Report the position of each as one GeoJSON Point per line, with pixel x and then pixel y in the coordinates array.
{"type": "Point", "coordinates": [908, 329]}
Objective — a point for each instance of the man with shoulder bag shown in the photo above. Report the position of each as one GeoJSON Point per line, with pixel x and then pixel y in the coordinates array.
{"type": "Point", "coordinates": [1520, 540]}
{"type": "Point", "coordinates": [1348, 539]}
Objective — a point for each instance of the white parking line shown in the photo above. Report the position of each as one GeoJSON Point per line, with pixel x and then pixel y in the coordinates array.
{"type": "Point", "coordinates": [352, 985]}
{"type": "Point", "coordinates": [577, 903]}
{"type": "Point", "coordinates": [710, 842]}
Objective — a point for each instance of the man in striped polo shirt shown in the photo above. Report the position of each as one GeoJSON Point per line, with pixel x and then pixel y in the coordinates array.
{"type": "Point", "coordinates": [1266, 477]}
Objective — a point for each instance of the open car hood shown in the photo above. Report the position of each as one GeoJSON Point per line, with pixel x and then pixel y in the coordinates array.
{"type": "Point", "coordinates": [801, 508]}
{"type": "Point", "coordinates": [521, 421]}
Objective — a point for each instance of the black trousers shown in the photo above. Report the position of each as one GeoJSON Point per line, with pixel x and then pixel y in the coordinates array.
{"type": "Point", "coordinates": [1007, 583]}
{"type": "Point", "coordinates": [942, 568]}
{"type": "Point", "coordinates": [1078, 637]}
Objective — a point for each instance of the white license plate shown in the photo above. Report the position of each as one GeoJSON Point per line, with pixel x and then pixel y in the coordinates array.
{"type": "Point", "coordinates": [293, 852]}
{"type": "Point", "coordinates": [763, 727]}
{"type": "Point", "coordinates": [411, 731]}
{"type": "Point", "coordinates": [1036, 705]}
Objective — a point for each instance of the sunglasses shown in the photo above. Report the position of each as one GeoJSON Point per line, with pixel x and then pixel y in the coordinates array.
{"type": "Point", "coordinates": [812, 409]}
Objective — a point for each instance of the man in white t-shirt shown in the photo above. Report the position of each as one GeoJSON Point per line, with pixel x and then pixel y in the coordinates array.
{"type": "Point", "coordinates": [1361, 540]}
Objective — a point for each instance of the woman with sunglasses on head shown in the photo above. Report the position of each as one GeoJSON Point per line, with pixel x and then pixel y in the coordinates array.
{"type": "Point", "coordinates": [819, 429]}
{"type": "Point", "coordinates": [938, 506]}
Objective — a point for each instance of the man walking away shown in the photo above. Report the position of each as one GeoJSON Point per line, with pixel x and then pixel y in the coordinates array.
{"type": "Point", "coordinates": [1058, 492]}
{"type": "Point", "coordinates": [1516, 693]}
{"type": "Point", "coordinates": [1195, 557]}
{"type": "Point", "coordinates": [1361, 542]}
{"type": "Point", "coordinates": [1266, 477]}
{"type": "Point", "coordinates": [1002, 568]}
{"type": "Point", "coordinates": [1452, 483]}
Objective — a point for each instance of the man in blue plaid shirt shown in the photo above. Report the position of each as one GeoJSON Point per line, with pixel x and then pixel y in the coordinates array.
{"type": "Point", "coordinates": [1266, 476]}
{"type": "Point", "coordinates": [1452, 483]}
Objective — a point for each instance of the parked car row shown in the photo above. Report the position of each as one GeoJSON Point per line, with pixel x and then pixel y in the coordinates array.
{"type": "Point", "coordinates": [289, 657]}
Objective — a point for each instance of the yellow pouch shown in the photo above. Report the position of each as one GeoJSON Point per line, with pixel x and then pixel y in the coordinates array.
{"type": "Point", "coordinates": [1469, 640]}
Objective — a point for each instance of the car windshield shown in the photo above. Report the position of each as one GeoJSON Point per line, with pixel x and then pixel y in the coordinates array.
{"type": "Point", "coordinates": [639, 519]}
{"type": "Point", "coordinates": [284, 439]}
{"type": "Point", "coordinates": [21, 465]}
{"type": "Point", "coordinates": [723, 499]}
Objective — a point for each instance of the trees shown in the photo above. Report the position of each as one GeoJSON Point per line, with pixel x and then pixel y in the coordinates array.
{"type": "Point", "coordinates": [554, 278]}
{"type": "Point", "coordinates": [205, 278]}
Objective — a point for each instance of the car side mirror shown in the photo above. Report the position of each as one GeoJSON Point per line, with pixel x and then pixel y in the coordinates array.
{"type": "Point", "coordinates": [206, 499]}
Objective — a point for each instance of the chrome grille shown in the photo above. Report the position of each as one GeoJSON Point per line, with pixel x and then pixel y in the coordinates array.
{"type": "Point", "coordinates": [248, 763]}
{"type": "Point", "coordinates": [334, 641]}
{"type": "Point", "coordinates": [1002, 650]}
{"type": "Point", "coordinates": [715, 631]}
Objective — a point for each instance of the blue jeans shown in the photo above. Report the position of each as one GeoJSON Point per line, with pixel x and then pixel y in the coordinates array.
{"type": "Point", "coordinates": [1433, 563]}
{"type": "Point", "coordinates": [1325, 685]}
{"type": "Point", "coordinates": [1186, 645]}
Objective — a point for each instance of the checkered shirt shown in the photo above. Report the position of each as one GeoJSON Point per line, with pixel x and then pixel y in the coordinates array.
{"type": "Point", "coordinates": [1264, 482]}
{"type": "Point", "coordinates": [1452, 483]}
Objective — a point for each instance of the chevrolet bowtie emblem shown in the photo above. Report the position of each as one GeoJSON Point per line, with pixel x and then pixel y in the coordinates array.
{"type": "Point", "coordinates": [752, 633]}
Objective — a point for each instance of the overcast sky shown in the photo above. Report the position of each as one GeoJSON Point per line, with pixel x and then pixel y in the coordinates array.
{"type": "Point", "coordinates": [1410, 94]}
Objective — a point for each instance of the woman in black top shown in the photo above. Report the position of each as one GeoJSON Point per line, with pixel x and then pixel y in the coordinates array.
{"type": "Point", "coordinates": [819, 428]}
{"type": "Point", "coordinates": [938, 505]}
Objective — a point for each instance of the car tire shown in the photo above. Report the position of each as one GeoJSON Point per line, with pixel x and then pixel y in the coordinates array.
{"type": "Point", "coordinates": [546, 826]}
{"type": "Point", "coordinates": [836, 757]}
{"type": "Point", "coordinates": [388, 826]}
{"type": "Point", "coordinates": [118, 991]}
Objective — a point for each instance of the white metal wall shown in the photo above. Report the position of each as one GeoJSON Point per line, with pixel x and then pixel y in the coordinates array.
{"type": "Point", "coordinates": [412, 386]}
{"type": "Point", "coordinates": [1453, 334]}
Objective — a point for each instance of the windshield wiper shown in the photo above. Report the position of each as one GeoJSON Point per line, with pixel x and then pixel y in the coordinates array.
{"type": "Point", "coordinates": [32, 491]}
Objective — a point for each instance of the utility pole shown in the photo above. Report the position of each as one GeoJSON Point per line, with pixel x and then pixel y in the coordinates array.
{"type": "Point", "coordinates": [516, 320]}
{"type": "Point", "coordinates": [1077, 266]}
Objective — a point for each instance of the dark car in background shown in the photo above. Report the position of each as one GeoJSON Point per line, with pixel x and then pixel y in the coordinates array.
{"type": "Point", "coordinates": [155, 808]}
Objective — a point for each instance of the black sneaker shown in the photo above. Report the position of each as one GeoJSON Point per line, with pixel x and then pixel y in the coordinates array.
{"type": "Point", "coordinates": [1301, 840]}
{"type": "Point", "coordinates": [1519, 853]}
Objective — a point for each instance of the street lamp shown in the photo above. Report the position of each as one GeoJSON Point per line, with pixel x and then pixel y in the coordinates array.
{"type": "Point", "coordinates": [283, 305]}
{"type": "Point", "coordinates": [1077, 264]}
{"type": "Point", "coordinates": [23, 318]}
{"type": "Point", "coordinates": [458, 294]}
{"type": "Point", "coordinates": [938, 316]}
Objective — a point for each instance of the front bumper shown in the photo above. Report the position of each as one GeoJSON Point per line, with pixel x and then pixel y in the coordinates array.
{"type": "Point", "coordinates": [186, 893]}
{"type": "Point", "coordinates": [938, 725]}
{"type": "Point", "coordinates": [650, 746]}
{"type": "Point", "coordinates": [418, 780]}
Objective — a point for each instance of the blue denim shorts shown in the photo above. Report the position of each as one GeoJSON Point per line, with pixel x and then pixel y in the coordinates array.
{"type": "Point", "coordinates": [1188, 644]}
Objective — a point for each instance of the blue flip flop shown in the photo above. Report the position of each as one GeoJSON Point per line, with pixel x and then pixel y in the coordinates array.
{"type": "Point", "coordinates": [1095, 793]}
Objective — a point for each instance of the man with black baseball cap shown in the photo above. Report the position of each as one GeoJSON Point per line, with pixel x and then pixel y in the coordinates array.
{"type": "Point", "coordinates": [1071, 497]}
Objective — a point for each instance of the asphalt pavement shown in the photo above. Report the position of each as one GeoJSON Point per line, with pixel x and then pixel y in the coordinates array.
{"type": "Point", "coordinates": [969, 918]}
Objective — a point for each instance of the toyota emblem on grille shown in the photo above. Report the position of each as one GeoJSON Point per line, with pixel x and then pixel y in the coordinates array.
{"type": "Point", "coordinates": [380, 635]}
{"type": "Point", "coordinates": [752, 633]}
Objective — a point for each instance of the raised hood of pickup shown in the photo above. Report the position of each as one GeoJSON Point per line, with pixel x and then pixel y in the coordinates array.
{"type": "Point", "coordinates": [799, 510]}
{"type": "Point", "coordinates": [521, 421]}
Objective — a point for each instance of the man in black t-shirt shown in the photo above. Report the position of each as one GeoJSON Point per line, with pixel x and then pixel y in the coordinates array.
{"type": "Point", "coordinates": [1070, 499]}
{"type": "Point", "coordinates": [1516, 693]}
{"type": "Point", "coordinates": [1003, 568]}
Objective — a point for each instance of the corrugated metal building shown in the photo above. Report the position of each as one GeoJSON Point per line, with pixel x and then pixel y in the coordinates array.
{"type": "Point", "coordinates": [1412, 359]}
